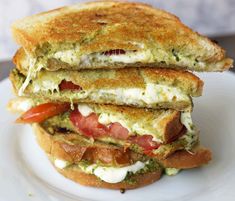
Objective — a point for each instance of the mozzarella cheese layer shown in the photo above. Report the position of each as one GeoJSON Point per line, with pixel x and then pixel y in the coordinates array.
{"type": "Point", "coordinates": [191, 135]}
{"type": "Point", "coordinates": [171, 171]}
{"type": "Point", "coordinates": [73, 57]}
{"type": "Point", "coordinates": [107, 174]}
{"type": "Point", "coordinates": [112, 174]}
{"type": "Point", "coordinates": [61, 164]}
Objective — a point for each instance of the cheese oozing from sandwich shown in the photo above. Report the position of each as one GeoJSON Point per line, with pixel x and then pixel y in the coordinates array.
{"type": "Point", "coordinates": [191, 135]}
{"type": "Point", "coordinates": [111, 174]}
{"type": "Point", "coordinates": [107, 174]}
{"type": "Point", "coordinates": [171, 171]}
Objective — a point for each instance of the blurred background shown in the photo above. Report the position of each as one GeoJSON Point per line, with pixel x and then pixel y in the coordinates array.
{"type": "Point", "coordinates": [214, 18]}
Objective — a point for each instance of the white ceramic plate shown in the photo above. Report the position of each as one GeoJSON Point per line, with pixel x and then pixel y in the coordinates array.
{"type": "Point", "coordinates": [26, 174]}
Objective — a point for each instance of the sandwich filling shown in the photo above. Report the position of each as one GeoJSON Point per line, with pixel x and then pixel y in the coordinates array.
{"type": "Point", "coordinates": [110, 128]}
{"type": "Point", "coordinates": [112, 174]}
{"type": "Point", "coordinates": [63, 87]}
{"type": "Point", "coordinates": [73, 57]}
{"type": "Point", "coordinates": [152, 94]}
{"type": "Point", "coordinates": [115, 174]}
{"type": "Point", "coordinates": [70, 56]}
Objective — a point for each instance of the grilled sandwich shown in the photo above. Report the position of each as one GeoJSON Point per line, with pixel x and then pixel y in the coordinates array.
{"type": "Point", "coordinates": [150, 88]}
{"type": "Point", "coordinates": [114, 34]}
{"type": "Point", "coordinates": [156, 132]}
{"type": "Point", "coordinates": [109, 166]}
{"type": "Point", "coordinates": [105, 87]}
{"type": "Point", "coordinates": [113, 146]}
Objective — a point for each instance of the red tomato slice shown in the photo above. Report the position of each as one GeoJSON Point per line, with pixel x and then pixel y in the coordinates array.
{"type": "Point", "coordinates": [88, 126]}
{"type": "Point", "coordinates": [67, 85]}
{"type": "Point", "coordinates": [116, 130]}
{"type": "Point", "coordinates": [42, 112]}
{"type": "Point", "coordinates": [144, 141]}
{"type": "Point", "coordinates": [114, 52]}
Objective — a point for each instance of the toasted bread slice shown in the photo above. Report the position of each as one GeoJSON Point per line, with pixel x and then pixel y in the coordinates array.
{"type": "Point", "coordinates": [164, 125]}
{"type": "Point", "coordinates": [181, 160]}
{"type": "Point", "coordinates": [184, 160]}
{"type": "Point", "coordinates": [110, 155]}
{"type": "Point", "coordinates": [151, 88]}
{"type": "Point", "coordinates": [115, 34]}
{"type": "Point", "coordinates": [73, 148]}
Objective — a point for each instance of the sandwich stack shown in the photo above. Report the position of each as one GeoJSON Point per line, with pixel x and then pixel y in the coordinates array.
{"type": "Point", "coordinates": [105, 87]}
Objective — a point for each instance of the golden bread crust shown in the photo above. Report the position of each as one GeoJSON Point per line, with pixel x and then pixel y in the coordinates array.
{"type": "Point", "coordinates": [56, 151]}
{"type": "Point", "coordinates": [101, 152]}
{"type": "Point", "coordinates": [184, 160]}
{"type": "Point", "coordinates": [179, 78]}
{"type": "Point", "coordinates": [58, 146]}
{"type": "Point", "coordinates": [200, 157]}
{"type": "Point", "coordinates": [102, 26]}
{"type": "Point", "coordinates": [179, 159]}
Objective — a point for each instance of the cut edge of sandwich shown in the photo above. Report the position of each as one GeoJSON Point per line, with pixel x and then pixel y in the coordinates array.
{"type": "Point", "coordinates": [160, 88]}
{"type": "Point", "coordinates": [163, 125]}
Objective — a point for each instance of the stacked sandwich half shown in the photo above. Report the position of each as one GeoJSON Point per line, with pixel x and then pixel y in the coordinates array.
{"type": "Point", "coordinates": [105, 88]}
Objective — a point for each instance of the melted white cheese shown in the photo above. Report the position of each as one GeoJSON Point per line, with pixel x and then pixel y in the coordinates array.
{"type": "Point", "coordinates": [191, 135]}
{"type": "Point", "coordinates": [25, 106]}
{"type": "Point", "coordinates": [85, 110]}
{"type": "Point", "coordinates": [68, 56]}
{"type": "Point", "coordinates": [73, 57]}
{"type": "Point", "coordinates": [22, 104]}
{"type": "Point", "coordinates": [45, 85]}
{"type": "Point", "coordinates": [186, 119]}
{"type": "Point", "coordinates": [31, 72]}
{"type": "Point", "coordinates": [61, 164]}
{"type": "Point", "coordinates": [106, 119]}
{"type": "Point", "coordinates": [153, 93]}
{"type": "Point", "coordinates": [129, 57]}
{"type": "Point", "coordinates": [171, 171]}
{"type": "Point", "coordinates": [112, 174]}
{"type": "Point", "coordinates": [34, 67]}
